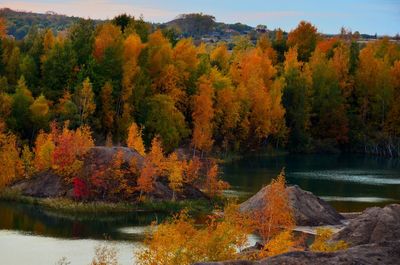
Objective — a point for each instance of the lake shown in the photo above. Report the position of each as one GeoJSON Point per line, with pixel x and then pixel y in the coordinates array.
{"type": "Point", "coordinates": [34, 236]}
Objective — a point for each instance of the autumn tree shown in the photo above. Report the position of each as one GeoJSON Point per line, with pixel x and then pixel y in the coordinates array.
{"type": "Point", "coordinates": [134, 140]}
{"type": "Point", "coordinates": [132, 49]}
{"type": "Point", "coordinates": [277, 214]}
{"type": "Point", "coordinates": [107, 35]}
{"type": "Point", "coordinates": [305, 38]}
{"type": "Point", "coordinates": [203, 114]}
{"type": "Point", "coordinates": [213, 185]}
{"type": "Point", "coordinates": [70, 148]}
{"type": "Point", "coordinates": [174, 168]}
{"type": "Point", "coordinates": [3, 28]}
{"type": "Point", "coordinates": [10, 162]}
{"type": "Point", "coordinates": [178, 241]}
{"type": "Point", "coordinates": [44, 148]}
{"type": "Point", "coordinates": [85, 101]}
{"type": "Point", "coordinates": [220, 57]}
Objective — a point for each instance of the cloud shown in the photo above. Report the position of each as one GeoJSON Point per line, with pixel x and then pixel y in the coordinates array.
{"type": "Point", "coordinates": [95, 9]}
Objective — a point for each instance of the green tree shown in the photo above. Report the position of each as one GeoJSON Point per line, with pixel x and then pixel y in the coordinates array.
{"type": "Point", "coordinates": [58, 70]}
{"type": "Point", "coordinates": [165, 120]}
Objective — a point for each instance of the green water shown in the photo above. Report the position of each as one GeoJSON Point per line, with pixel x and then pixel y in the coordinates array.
{"type": "Point", "coordinates": [32, 235]}
{"type": "Point", "coordinates": [348, 182]}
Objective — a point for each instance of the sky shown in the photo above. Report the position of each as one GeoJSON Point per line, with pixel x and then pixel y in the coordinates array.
{"type": "Point", "coordinates": [366, 16]}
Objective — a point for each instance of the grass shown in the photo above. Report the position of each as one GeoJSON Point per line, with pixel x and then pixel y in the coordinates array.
{"type": "Point", "coordinates": [68, 206]}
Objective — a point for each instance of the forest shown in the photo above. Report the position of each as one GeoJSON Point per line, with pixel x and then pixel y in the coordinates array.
{"type": "Point", "coordinates": [163, 106]}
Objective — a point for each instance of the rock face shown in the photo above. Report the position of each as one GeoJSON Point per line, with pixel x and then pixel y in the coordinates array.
{"type": "Point", "coordinates": [45, 184]}
{"type": "Point", "coordinates": [309, 210]}
{"type": "Point", "coordinates": [387, 253]}
{"type": "Point", "coordinates": [374, 225]}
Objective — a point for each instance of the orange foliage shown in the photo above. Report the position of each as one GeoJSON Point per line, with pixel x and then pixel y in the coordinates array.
{"type": "Point", "coordinates": [213, 185]}
{"type": "Point", "coordinates": [327, 45]}
{"type": "Point", "coordinates": [134, 140]}
{"type": "Point", "coordinates": [192, 170]}
{"type": "Point", "coordinates": [305, 37]}
{"type": "Point", "coordinates": [203, 114]}
{"type": "Point", "coordinates": [10, 163]}
{"type": "Point", "coordinates": [70, 147]}
{"type": "Point", "coordinates": [179, 241]}
{"type": "Point", "coordinates": [107, 36]}
{"type": "Point", "coordinates": [3, 27]}
{"type": "Point", "coordinates": [277, 214]}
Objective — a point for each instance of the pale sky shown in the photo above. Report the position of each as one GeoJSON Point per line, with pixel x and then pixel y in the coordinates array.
{"type": "Point", "coordinates": [366, 16]}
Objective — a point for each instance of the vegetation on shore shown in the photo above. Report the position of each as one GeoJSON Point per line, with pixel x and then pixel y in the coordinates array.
{"type": "Point", "coordinates": [69, 206]}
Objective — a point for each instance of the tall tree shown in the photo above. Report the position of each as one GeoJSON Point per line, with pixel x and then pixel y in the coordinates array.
{"type": "Point", "coordinates": [203, 113]}
{"type": "Point", "coordinates": [296, 101]}
{"type": "Point", "coordinates": [85, 101]}
{"type": "Point", "coordinates": [305, 37]}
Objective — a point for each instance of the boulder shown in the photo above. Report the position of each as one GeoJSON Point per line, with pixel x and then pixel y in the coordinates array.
{"type": "Point", "coordinates": [309, 210]}
{"type": "Point", "coordinates": [45, 184]}
{"type": "Point", "coordinates": [387, 253]}
{"type": "Point", "coordinates": [374, 225]}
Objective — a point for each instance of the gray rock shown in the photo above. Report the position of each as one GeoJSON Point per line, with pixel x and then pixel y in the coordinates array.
{"type": "Point", "coordinates": [45, 184]}
{"type": "Point", "coordinates": [309, 210]}
{"type": "Point", "coordinates": [372, 226]}
{"type": "Point", "coordinates": [383, 253]}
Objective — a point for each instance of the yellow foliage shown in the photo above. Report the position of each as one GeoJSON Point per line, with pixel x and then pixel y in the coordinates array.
{"type": "Point", "coordinates": [134, 140]}
{"type": "Point", "coordinates": [44, 147]}
{"type": "Point", "coordinates": [179, 241]}
{"type": "Point", "coordinates": [27, 158]}
{"type": "Point", "coordinates": [281, 243]}
{"type": "Point", "coordinates": [277, 213]}
{"type": "Point", "coordinates": [175, 173]}
{"type": "Point", "coordinates": [323, 244]}
{"type": "Point", "coordinates": [10, 163]}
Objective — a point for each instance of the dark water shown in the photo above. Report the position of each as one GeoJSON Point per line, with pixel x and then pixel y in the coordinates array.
{"type": "Point", "coordinates": [348, 182]}
{"type": "Point", "coordinates": [32, 235]}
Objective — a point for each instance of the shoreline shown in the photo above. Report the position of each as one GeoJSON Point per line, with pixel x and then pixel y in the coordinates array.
{"type": "Point", "coordinates": [69, 206]}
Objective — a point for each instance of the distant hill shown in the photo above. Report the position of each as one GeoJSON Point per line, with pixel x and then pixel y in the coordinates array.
{"type": "Point", "coordinates": [201, 25]}
{"type": "Point", "coordinates": [196, 25]}
{"type": "Point", "coordinates": [20, 22]}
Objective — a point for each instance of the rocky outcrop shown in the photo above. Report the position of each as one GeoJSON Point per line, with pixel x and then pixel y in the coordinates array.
{"type": "Point", "coordinates": [374, 225]}
{"type": "Point", "coordinates": [45, 184]}
{"type": "Point", "coordinates": [385, 253]}
{"type": "Point", "coordinates": [309, 210]}
{"type": "Point", "coordinates": [48, 184]}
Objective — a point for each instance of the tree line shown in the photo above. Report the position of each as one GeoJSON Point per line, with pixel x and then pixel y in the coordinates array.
{"type": "Point", "coordinates": [302, 91]}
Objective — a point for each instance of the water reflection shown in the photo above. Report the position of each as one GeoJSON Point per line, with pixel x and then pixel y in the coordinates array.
{"type": "Point", "coordinates": [36, 220]}
{"type": "Point", "coordinates": [369, 181]}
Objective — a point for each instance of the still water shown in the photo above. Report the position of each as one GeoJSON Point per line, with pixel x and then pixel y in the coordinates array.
{"type": "Point", "coordinates": [34, 236]}
{"type": "Point", "coordinates": [348, 182]}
